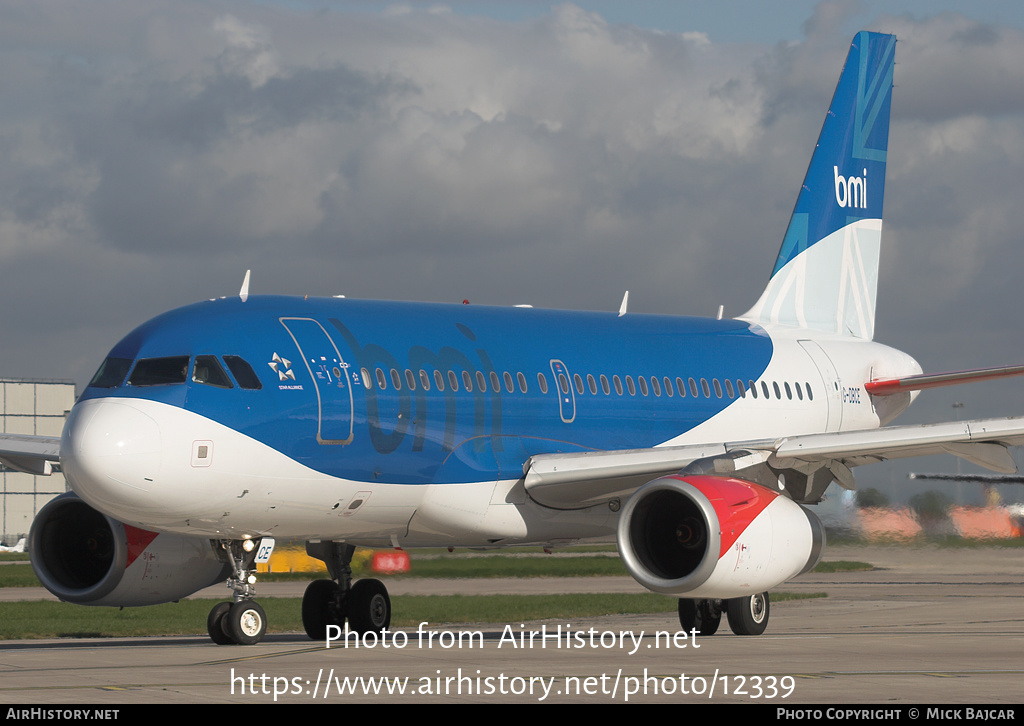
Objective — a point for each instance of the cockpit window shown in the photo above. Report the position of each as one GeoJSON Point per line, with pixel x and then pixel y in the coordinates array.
{"type": "Point", "coordinates": [208, 371]}
{"type": "Point", "coordinates": [159, 371]}
{"type": "Point", "coordinates": [111, 373]}
{"type": "Point", "coordinates": [243, 372]}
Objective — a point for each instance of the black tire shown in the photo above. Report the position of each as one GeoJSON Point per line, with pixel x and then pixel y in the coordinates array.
{"type": "Point", "coordinates": [749, 615]}
{"type": "Point", "coordinates": [246, 622]}
{"type": "Point", "coordinates": [320, 608]}
{"type": "Point", "coordinates": [369, 607]}
{"type": "Point", "coordinates": [214, 625]}
{"type": "Point", "coordinates": [703, 615]}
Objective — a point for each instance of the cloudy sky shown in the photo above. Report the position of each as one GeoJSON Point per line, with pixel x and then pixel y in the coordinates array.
{"type": "Point", "coordinates": [528, 152]}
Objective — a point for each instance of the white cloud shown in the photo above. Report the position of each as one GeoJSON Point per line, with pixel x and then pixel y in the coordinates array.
{"type": "Point", "coordinates": [248, 50]}
{"type": "Point", "coordinates": [556, 160]}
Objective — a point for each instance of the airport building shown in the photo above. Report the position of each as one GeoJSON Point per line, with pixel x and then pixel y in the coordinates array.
{"type": "Point", "coordinates": [39, 408]}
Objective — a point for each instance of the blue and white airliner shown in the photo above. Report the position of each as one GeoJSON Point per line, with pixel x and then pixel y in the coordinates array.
{"type": "Point", "coordinates": [215, 429]}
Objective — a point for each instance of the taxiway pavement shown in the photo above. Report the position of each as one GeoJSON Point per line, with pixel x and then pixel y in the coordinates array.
{"type": "Point", "coordinates": [925, 626]}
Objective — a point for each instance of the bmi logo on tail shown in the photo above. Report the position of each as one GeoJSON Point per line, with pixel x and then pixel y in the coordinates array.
{"type": "Point", "coordinates": [851, 191]}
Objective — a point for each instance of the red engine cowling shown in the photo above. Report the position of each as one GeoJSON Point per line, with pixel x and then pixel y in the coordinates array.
{"type": "Point", "coordinates": [85, 557]}
{"type": "Point", "coordinates": [715, 537]}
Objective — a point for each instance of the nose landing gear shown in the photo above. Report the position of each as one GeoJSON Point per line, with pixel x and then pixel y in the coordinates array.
{"type": "Point", "coordinates": [243, 621]}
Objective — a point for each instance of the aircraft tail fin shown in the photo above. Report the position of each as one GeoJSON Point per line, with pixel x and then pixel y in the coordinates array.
{"type": "Point", "coordinates": [826, 274]}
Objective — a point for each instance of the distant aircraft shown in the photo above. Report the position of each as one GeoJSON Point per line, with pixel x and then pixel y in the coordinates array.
{"type": "Point", "coordinates": [213, 429]}
{"type": "Point", "coordinates": [19, 546]}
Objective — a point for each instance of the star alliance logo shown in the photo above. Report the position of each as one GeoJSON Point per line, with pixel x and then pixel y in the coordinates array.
{"type": "Point", "coordinates": [283, 368]}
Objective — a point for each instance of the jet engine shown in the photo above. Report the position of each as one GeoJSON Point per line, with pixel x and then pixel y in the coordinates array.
{"type": "Point", "coordinates": [715, 537]}
{"type": "Point", "coordinates": [85, 557]}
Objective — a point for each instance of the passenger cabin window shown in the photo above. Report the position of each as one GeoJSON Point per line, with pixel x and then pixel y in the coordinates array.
{"type": "Point", "coordinates": [111, 373]}
{"type": "Point", "coordinates": [159, 371]}
{"type": "Point", "coordinates": [243, 372]}
{"type": "Point", "coordinates": [207, 370]}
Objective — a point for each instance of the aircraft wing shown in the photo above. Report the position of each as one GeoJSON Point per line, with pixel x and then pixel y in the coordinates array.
{"type": "Point", "coordinates": [571, 481]}
{"type": "Point", "coordinates": [29, 454]}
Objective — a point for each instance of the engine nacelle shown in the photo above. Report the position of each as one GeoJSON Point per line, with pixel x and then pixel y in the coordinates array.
{"type": "Point", "coordinates": [715, 537]}
{"type": "Point", "coordinates": [85, 557]}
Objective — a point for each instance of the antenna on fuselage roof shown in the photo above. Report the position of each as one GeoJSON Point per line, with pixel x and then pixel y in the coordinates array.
{"type": "Point", "coordinates": [244, 292]}
{"type": "Point", "coordinates": [624, 305]}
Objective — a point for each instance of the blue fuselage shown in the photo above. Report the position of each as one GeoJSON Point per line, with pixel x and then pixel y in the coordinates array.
{"type": "Point", "coordinates": [414, 394]}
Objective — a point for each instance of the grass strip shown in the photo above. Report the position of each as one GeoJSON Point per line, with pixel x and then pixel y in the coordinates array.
{"type": "Point", "coordinates": [21, 575]}
{"type": "Point", "coordinates": [44, 619]}
{"type": "Point", "coordinates": [843, 566]}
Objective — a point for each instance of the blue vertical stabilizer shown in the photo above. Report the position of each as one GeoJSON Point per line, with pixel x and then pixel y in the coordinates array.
{"type": "Point", "coordinates": [826, 274]}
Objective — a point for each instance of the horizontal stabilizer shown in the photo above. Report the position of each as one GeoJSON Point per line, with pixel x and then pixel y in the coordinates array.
{"type": "Point", "coordinates": [973, 478]}
{"type": "Point", "coordinates": [893, 386]}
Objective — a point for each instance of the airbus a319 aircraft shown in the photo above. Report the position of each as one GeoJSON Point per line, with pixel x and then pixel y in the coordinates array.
{"type": "Point", "coordinates": [214, 429]}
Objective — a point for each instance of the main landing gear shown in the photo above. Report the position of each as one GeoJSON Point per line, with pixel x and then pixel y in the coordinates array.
{"type": "Point", "coordinates": [243, 620]}
{"type": "Point", "coordinates": [747, 615]}
{"type": "Point", "coordinates": [365, 604]}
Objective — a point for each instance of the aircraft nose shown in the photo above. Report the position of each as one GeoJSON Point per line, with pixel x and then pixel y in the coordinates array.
{"type": "Point", "coordinates": [110, 454]}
